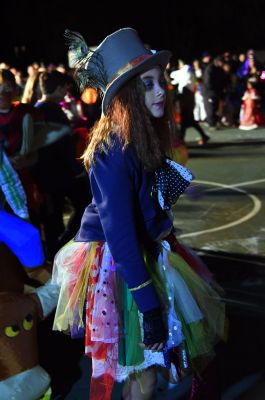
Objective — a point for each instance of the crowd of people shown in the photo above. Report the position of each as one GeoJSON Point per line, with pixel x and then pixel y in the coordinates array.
{"type": "Point", "coordinates": [48, 115]}
{"type": "Point", "coordinates": [212, 92]}
{"type": "Point", "coordinates": [220, 91]}
{"type": "Point", "coordinates": [97, 172]}
{"type": "Point", "coordinates": [44, 190]}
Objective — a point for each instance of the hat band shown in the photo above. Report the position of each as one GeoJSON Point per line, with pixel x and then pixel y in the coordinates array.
{"type": "Point", "coordinates": [130, 65]}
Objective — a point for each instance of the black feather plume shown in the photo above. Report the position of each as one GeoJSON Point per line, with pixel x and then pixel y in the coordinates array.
{"type": "Point", "coordinates": [88, 64]}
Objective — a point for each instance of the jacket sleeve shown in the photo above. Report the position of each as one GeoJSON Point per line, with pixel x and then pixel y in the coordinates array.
{"type": "Point", "coordinates": [116, 200]}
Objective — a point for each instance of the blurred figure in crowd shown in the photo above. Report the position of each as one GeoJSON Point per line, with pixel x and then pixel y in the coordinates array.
{"type": "Point", "coordinates": [214, 80]}
{"type": "Point", "coordinates": [183, 78]}
{"type": "Point", "coordinates": [12, 116]}
{"type": "Point", "coordinates": [32, 93]}
{"type": "Point", "coordinates": [206, 59]}
{"type": "Point", "coordinates": [57, 172]}
{"type": "Point", "coordinates": [250, 113]}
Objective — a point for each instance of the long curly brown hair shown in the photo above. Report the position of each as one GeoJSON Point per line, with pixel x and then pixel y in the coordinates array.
{"type": "Point", "coordinates": [128, 117]}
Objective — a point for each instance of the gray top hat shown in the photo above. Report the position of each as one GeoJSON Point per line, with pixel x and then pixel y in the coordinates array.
{"type": "Point", "coordinates": [120, 56]}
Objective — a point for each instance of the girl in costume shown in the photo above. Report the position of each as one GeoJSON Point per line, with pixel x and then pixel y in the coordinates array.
{"type": "Point", "coordinates": [125, 282]}
{"type": "Point", "coordinates": [250, 113]}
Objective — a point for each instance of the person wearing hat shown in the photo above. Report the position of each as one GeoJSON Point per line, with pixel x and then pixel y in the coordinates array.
{"type": "Point", "coordinates": [122, 284]}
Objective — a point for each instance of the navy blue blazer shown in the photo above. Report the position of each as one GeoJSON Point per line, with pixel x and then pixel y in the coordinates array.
{"type": "Point", "coordinates": [124, 214]}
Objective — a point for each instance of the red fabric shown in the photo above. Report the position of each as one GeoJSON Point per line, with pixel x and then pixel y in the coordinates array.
{"type": "Point", "coordinates": [81, 140]}
{"type": "Point", "coordinates": [191, 259]}
{"type": "Point", "coordinates": [178, 248]}
{"type": "Point", "coordinates": [101, 386]}
{"type": "Point", "coordinates": [206, 386]}
{"type": "Point", "coordinates": [11, 125]}
{"type": "Point", "coordinates": [251, 111]}
{"type": "Point", "coordinates": [178, 117]}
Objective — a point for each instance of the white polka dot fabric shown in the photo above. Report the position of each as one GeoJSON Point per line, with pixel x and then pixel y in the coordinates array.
{"type": "Point", "coordinates": [172, 179]}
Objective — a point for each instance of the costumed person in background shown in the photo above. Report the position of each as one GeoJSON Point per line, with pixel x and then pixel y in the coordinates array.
{"type": "Point", "coordinates": [22, 133]}
{"type": "Point", "coordinates": [21, 306]}
{"type": "Point", "coordinates": [183, 78]}
{"type": "Point", "coordinates": [13, 199]}
{"type": "Point", "coordinates": [123, 283]}
{"type": "Point", "coordinates": [72, 107]}
{"type": "Point", "coordinates": [11, 135]}
{"type": "Point", "coordinates": [250, 113]}
{"type": "Point", "coordinates": [12, 188]}
{"type": "Point", "coordinates": [199, 110]}
{"type": "Point", "coordinates": [179, 149]}
{"type": "Point", "coordinates": [59, 175]}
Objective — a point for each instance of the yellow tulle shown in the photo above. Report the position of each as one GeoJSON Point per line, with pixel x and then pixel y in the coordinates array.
{"type": "Point", "coordinates": [207, 298]}
{"type": "Point", "coordinates": [70, 305]}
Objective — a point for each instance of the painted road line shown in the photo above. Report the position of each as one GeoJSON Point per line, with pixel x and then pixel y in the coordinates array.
{"type": "Point", "coordinates": [255, 209]}
{"type": "Point", "coordinates": [240, 184]}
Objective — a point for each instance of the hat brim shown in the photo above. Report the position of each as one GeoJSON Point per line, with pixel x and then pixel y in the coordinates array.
{"type": "Point", "coordinates": [160, 58]}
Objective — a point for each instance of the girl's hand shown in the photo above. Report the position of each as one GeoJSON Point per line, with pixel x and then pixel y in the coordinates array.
{"type": "Point", "coordinates": [155, 333]}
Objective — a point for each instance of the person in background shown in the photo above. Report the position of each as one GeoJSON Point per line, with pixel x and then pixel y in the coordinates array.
{"type": "Point", "coordinates": [199, 109]}
{"type": "Point", "coordinates": [213, 86]}
{"type": "Point", "coordinates": [31, 93]}
{"type": "Point", "coordinates": [250, 113]}
{"type": "Point", "coordinates": [184, 79]}
{"type": "Point", "coordinates": [197, 70]}
{"type": "Point", "coordinates": [249, 67]}
{"type": "Point", "coordinates": [73, 107]}
{"type": "Point", "coordinates": [119, 278]}
{"type": "Point", "coordinates": [20, 81]}
{"type": "Point", "coordinates": [206, 59]}
{"type": "Point", "coordinates": [59, 175]}
{"type": "Point", "coordinates": [22, 264]}
{"type": "Point", "coordinates": [11, 188]}
{"type": "Point", "coordinates": [12, 117]}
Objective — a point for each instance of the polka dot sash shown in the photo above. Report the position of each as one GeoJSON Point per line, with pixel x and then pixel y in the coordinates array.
{"type": "Point", "coordinates": [172, 179]}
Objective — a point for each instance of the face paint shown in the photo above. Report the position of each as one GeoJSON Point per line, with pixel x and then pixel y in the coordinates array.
{"type": "Point", "coordinates": [155, 91]}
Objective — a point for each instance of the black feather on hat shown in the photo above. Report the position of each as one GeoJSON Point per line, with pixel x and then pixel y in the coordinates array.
{"type": "Point", "coordinates": [80, 57]}
{"type": "Point", "coordinates": [121, 56]}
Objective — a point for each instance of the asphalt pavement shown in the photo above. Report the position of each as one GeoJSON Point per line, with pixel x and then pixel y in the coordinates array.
{"type": "Point", "coordinates": [226, 136]}
{"type": "Point", "coordinates": [224, 208]}
{"type": "Point", "coordinates": [222, 217]}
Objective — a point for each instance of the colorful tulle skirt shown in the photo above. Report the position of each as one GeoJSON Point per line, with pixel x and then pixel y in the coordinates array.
{"type": "Point", "coordinates": [96, 303]}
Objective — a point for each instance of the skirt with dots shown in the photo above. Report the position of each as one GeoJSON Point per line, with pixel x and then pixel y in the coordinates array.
{"type": "Point", "coordinates": [96, 303]}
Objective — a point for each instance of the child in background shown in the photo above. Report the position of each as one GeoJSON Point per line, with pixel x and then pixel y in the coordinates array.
{"type": "Point", "coordinates": [250, 113]}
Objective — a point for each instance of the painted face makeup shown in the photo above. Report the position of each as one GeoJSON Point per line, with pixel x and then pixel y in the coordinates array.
{"type": "Point", "coordinates": [155, 91]}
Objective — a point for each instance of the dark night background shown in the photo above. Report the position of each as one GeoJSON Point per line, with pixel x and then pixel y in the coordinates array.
{"type": "Point", "coordinates": [33, 31]}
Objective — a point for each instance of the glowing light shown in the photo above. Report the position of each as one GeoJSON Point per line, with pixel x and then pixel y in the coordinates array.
{"type": "Point", "coordinates": [89, 96]}
{"type": "Point", "coordinates": [22, 238]}
{"type": "Point", "coordinates": [262, 76]}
